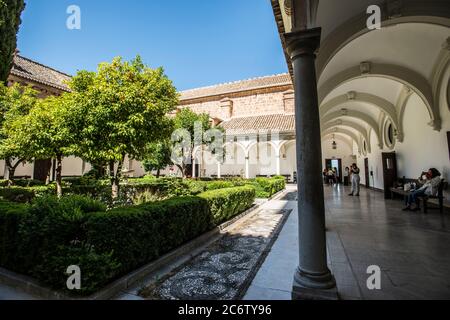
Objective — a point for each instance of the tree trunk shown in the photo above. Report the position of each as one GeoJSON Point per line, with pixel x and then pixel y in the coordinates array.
{"type": "Point", "coordinates": [49, 175]}
{"type": "Point", "coordinates": [158, 173]}
{"type": "Point", "coordinates": [12, 169]}
{"type": "Point", "coordinates": [115, 176]}
{"type": "Point", "coordinates": [59, 191]}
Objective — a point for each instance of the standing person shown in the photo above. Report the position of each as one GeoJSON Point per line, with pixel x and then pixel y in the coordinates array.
{"type": "Point", "coordinates": [356, 179]}
{"type": "Point", "coordinates": [330, 177]}
{"type": "Point", "coordinates": [336, 176]}
{"type": "Point", "coordinates": [346, 176]}
{"type": "Point", "coordinates": [325, 174]}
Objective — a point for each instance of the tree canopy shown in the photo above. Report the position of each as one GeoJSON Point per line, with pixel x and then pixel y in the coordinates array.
{"type": "Point", "coordinates": [15, 103]}
{"type": "Point", "coordinates": [190, 129]}
{"type": "Point", "coordinates": [119, 110]}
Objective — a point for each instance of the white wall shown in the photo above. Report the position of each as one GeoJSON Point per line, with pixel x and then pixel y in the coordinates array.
{"type": "Point", "coordinates": [422, 148]}
{"type": "Point", "coordinates": [343, 152]}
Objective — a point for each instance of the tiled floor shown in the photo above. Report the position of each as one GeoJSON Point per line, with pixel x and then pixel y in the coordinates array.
{"type": "Point", "coordinates": [412, 250]}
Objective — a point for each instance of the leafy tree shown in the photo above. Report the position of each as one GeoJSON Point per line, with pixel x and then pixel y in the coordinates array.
{"type": "Point", "coordinates": [15, 103]}
{"type": "Point", "coordinates": [159, 157]}
{"type": "Point", "coordinates": [45, 132]}
{"type": "Point", "coordinates": [190, 132]}
{"type": "Point", "coordinates": [123, 107]}
{"type": "Point", "coordinates": [10, 11]}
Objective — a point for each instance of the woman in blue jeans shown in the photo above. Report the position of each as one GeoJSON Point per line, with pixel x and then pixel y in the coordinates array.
{"type": "Point", "coordinates": [430, 188]}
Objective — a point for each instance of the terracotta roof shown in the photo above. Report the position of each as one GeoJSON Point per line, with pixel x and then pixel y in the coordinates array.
{"type": "Point", "coordinates": [238, 86]}
{"type": "Point", "coordinates": [279, 122]}
{"type": "Point", "coordinates": [34, 71]}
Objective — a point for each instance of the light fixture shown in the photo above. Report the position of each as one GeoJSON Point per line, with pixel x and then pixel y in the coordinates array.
{"type": "Point", "coordinates": [334, 144]}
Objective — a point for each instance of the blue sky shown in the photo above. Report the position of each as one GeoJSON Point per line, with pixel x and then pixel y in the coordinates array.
{"type": "Point", "coordinates": [198, 42]}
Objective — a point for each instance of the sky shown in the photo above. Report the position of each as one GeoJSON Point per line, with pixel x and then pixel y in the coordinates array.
{"type": "Point", "coordinates": [197, 42]}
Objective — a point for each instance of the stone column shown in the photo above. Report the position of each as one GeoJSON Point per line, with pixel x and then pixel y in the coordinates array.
{"type": "Point", "coordinates": [193, 167]}
{"type": "Point", "coordinates": [219, 174]}
{"type": "Point", "coordinates": [313, 279]}
{"type": "Point", "coordinates": [278, 157]}
{"type": "Point", "coordinates": [247, 167]}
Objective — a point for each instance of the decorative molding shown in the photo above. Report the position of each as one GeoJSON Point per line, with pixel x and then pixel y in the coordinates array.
{"type": "Point", "coordinates": [402, 101]}
{"type": "Point", "coordinates": [359, 116]}
{"type": "Point", "coordinates": [439, 70]}
{"type": "Point", "coordinates": [412, 11]}
{"type": "Point", "coordinates": [342, 131]}
{"type": "Point", "coordinates": [403, 75]}
{"type": "Point", "coordinates": [380, 103]}
{"type": "Point", "coordinates": [288, 7]}
{"type": "Point", "coordinates": [365, 67]}
{"type": "Point", "coordinates": [357, 127]}
{"type": "Point", "coordinates": [351, 95]}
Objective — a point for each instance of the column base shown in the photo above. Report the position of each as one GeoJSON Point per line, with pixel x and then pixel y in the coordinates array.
{"type": "Point", "coordinates": [314, 287]}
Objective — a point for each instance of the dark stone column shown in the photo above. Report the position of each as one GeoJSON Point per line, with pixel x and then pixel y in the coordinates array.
{"type": "Point", "coordinates": [313, 279]}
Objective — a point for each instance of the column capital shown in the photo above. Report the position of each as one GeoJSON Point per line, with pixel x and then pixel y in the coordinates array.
{"type": "Point", "coordinates": [303, 42]}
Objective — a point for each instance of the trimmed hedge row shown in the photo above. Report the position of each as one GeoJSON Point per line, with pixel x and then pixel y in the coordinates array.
{"type": "Point", "coordinates": [227, 203]}
{"type": "Point", "coordinates": [25, 194]}
{"type": "Point", "coordinates": [44, 238]}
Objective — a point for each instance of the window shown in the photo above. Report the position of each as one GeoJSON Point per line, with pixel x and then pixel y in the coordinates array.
{"type": "Point", "coordinates": [389, 134]}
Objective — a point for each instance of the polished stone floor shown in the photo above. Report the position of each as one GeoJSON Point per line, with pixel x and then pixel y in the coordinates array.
{"type": "Point", "coordinates": [411, 249]}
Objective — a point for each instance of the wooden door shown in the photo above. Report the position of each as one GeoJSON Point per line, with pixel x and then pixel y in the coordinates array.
{"type": "Point", "coordinates": [366, 172]}
{"type": "Point", "coordinates": [42, 169]}
{"type": "Point", "coordinates": [341, 174]}
{"type": "Point", "coordinates": [389, 172]}
{"type": "Point", "coordinates": [328, 164]}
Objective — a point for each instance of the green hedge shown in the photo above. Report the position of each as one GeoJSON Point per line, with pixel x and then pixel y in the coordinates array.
{"type": "Point", "coordinates": [44, 238]}
{"type": "Point", "coordinates": [227, 203]}
{"type": "Point", "coordinates": [11, 214]}
{"type": "Point", "coordinates": [271, 185]}
{"type": "Point", "coordinates": [25, 194]}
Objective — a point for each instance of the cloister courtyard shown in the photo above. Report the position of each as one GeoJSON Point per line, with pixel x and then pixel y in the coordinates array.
{"type": "Point", "coordinates": [409, 248]}
{"type": "Point", "coordinates": [325, 181]}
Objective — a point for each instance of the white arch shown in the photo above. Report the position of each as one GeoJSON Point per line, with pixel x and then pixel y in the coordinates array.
{"type": "Point", "coordinates": [340, 137]}
{"type": "Point", "coordinates": [273, 145]}
{"type": "Point", "coordinates": [344, 123]}
{"type": "Point", "coordinates": [345, 132]}
{"type": "Point", "coordinates": [373, 100]}
{"type": "Point", "coordinates": [356, 115]}
{"type": "Point", "coordinates": [410, 78]}
{"type": "Point", "coordinates": [436, 14]}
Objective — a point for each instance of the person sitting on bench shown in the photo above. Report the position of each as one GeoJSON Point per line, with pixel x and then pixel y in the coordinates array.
{"type": "Point", "coordinates": [430, 188]}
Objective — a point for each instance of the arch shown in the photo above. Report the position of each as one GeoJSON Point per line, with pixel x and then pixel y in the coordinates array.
{"type": "Point", "coordinates": [427, 11]}
{"type": "Point", "coordinates": [345, 132]}
{"type": "Point", "coordinates": [360, 129]}
{"type": "Point", "coordinates": [410, 78]}
{"type": "Point", "coordinates": [233, 143]}
{"type": "Point", "coordinates": [356, 115]}
{"type": "Point", "coordinates": [439, 71]}
{"type": "Point", "coordinates": [402, 103]}
{"type": "Point", "coordinates": [340, 137]}
{"type": "Point", "coordinates": [275, 147]}
{"type": "Point", "coordinates": [373, 100]}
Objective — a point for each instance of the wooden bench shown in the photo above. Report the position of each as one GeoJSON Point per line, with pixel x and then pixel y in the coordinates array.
{"type": "Point", "coordinates": [399, 191]}
{"type": "Point", "coordinates": [440, 202]}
